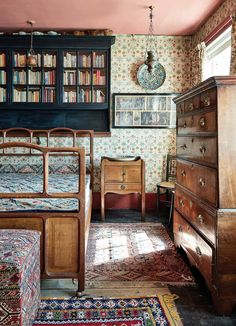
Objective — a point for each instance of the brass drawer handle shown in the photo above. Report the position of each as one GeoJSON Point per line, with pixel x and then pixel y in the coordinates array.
{"type": "Point", "coordinates": [207, 101]}
{"type": "Point", "coordinates": [181, 202]}
{"type": "Point", "coordinates": [183, 173]}
{"type": "Point", "coordinates": [123, 173]}
{"type": "Point", "coordinates": [202, 122]}
{"type": "Point", "coordinates": [184, 146]}
{"type": "Point", "coordinates": [202, 149]}
{"type": "Point", "coordinates": [202, 182]}
{"type": "Point", "coordinates": [180, 228]}
{"type": "Point", "coordinates": [198, 251]}
{"type": "Point", "coordinates": [123, 187]}
{"type": "Point", "coordinates": [185, 124]}
{"type": "Point", "coordinates": [191, 106]}
{"type": "Point", "coordinates": [200, 219]}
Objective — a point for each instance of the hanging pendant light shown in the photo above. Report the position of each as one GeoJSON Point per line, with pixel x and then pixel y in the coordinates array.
{"type": "Point", "coordinates": [31, 58]}
{"type": "Point", "coordinates": [151, 74]}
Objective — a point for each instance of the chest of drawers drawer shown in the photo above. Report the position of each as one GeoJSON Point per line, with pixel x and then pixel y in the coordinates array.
{"type": "Point", "coordinates": [199, 179]}
{"type": "Point", "coordinates": [199, 149]}
{"type": "Point", "coordinates": [198, 251]}
{"type": "Point", "coordinates": [197, 213]}
{"type": "Point", "coordinates": [197, 123]}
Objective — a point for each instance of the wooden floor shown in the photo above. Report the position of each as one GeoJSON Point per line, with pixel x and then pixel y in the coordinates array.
{"type": "Point", "coordinates": [194, 303]}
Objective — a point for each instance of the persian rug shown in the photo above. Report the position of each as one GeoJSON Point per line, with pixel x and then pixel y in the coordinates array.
{"type": "Point", "coordinates": [109, 312]}
{"type": "Point", "coordinates": [134, 252]}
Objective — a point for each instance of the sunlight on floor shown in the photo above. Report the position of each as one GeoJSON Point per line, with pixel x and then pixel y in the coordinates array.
{"type": "Point", "coordinates": [110, 249]}
{"type": "Point", "coordinates": [145, 245]}
{"type": "Point", "coordinates": [115, 247]}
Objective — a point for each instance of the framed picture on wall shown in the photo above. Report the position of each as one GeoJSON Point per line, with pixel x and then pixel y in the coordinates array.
{"type": "Point", "coordinates": [144, 110]}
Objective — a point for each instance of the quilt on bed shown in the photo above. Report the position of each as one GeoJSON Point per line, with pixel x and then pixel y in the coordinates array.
{"type": "Point", "coordinates": [29, 182]}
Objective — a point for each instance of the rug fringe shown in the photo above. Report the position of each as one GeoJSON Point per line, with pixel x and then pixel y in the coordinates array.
{"type": "Point", "coordinates": [169, 307]}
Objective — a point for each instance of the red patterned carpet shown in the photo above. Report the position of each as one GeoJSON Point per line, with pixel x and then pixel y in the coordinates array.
{"type": "Point", "coordinates": [134, 252]}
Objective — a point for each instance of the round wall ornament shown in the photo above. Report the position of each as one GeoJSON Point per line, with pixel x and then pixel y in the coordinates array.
{"type": "Point", "coordinates": [151, 79]}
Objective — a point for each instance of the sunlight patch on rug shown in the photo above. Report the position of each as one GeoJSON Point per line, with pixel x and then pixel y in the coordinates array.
{"type": "Point", "coordinates": [134, 252]}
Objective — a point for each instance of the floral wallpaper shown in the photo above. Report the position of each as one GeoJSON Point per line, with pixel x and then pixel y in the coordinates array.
{"type": "Point", "coordinates": [151, 144]}
{"type": "Point", "coordinates": [178, 56]}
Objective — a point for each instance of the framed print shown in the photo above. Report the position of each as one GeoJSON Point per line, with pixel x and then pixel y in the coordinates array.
{"type": "Point", "coordinates": [144, 110]}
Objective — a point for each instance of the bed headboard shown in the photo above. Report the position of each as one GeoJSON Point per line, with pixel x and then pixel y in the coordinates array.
{"type": "Point", "coordinates": [47, 137]}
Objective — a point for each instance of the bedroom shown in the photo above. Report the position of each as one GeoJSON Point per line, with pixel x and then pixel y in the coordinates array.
{"type": "Point", "coordinates": [177, 55]}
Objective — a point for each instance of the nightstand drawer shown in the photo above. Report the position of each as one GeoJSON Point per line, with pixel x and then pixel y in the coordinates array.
{"type": "Point", "coordinates": [200, 180]}
{"type": "Point", "coordinates": [123, 187]}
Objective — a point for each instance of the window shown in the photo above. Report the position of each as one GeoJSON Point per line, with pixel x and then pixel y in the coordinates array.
{"type": "Point", "coordinates": [217, 57]}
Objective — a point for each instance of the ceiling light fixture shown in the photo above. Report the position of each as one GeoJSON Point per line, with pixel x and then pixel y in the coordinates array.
{"type": "Point", "coordinates": [31, 58]}
{"type": "Point", "coordinates": [151, 74]}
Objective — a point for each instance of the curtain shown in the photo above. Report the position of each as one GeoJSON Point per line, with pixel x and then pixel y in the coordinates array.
{"type": "Point", "coordinates": [233, 46]}
{"type": "Point", "coordinates": [198, 56]}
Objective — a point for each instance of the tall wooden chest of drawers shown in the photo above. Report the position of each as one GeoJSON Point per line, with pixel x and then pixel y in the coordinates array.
{"type": "Point", "coordinates": [205, 197]}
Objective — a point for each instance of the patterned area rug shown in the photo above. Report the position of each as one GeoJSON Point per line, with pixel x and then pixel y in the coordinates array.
{"type": "Point", "coordinates": [109, 312]}
{"type": "Point", "coordinates": [137, 252]}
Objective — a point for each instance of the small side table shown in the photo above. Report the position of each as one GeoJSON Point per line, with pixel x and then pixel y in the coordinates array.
{"type": "Point", "coordinates": [122, 176]}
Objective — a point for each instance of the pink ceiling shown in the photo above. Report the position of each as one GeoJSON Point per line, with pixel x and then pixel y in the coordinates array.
{"type": "Point", "coordinates": [171, 17]}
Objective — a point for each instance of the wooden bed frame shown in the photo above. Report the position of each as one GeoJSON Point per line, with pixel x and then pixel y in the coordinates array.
{"type": "Point", "coordinates": [64, 235]}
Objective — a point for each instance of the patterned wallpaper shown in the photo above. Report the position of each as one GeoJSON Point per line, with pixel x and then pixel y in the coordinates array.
{"type": "Point", "coordinates": [151, 144]}
{"type": "Point", "coordinates": [176, 55]}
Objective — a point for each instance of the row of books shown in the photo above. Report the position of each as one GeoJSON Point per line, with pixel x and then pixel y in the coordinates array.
{"type": "Point", "coordinates": [98, 60]}
{"type": "Point", "coordinates": [85, 96]}
{"type": "Point", "coordinates": [84, 78]}
{"type": "Point", "coordinates": [49, 95]}
{"type": "Point", "coordinates": [2, 59]}
{"type": "Point", "coordinates": [34, 77]}
{"type": "Point", "coordinates": [69, 60]}
{"type": "Point", "coordinates": [2, 94]}
{"type": "Point", "coordinates": [98, 78]}
{"type": "Point", "coordinates": [19, 77]}
{"type": "Point", "coordinates": [50, 77]}
{"type": "Point", "coordinates": [69, 77]}
{"type": "Point", "coordinates": [49, 60]}
{"type": "Point", "coordinates": [98, 96]}
{"type": "Point", "coordinates": [85, 60]}
{"type": "Point", "coordinates": [69, 97]}
{"type": "Point", "coordinates": [3, 77]}
{"type": "Point", "coordinates": [21, 95]}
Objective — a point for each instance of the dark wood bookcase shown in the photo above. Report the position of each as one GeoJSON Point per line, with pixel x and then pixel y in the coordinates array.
{"type": "Point", "coordinates": [69, 87]}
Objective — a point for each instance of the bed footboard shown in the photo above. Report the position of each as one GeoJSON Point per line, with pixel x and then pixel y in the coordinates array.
{"type": "Point", "coordinates": [64, 233]}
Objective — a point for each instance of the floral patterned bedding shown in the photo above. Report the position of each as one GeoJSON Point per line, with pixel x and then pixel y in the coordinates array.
{"type": "Point", "coordinates": [31, 182]}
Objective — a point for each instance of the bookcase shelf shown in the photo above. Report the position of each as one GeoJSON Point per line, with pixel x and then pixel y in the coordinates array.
{"type": "Point", "coordinates": [68, 87]}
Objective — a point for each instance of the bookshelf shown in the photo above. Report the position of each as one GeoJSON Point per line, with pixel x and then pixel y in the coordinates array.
{"type": "Point", "coordinates": [69, 86]}
{"type": "Point", "coordinates": [37, 84]}
{"type": "Point", "coordinates": [84, 77]}
{"type": "Point", "coordinates": [3, 77]}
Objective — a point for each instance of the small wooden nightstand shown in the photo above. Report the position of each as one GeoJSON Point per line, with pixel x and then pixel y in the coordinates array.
{"type": "Point", "coordinates": [122, 177]}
